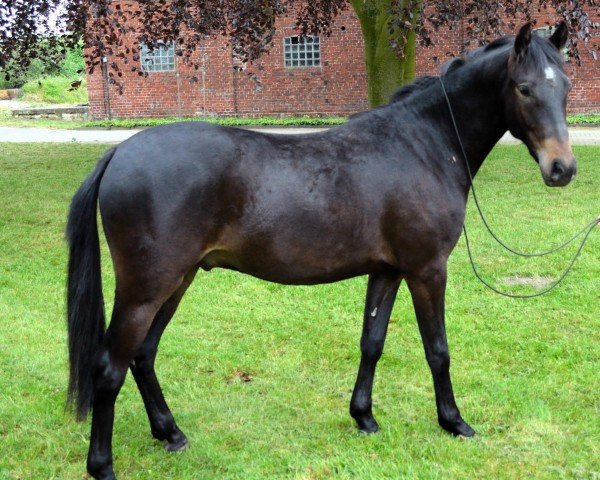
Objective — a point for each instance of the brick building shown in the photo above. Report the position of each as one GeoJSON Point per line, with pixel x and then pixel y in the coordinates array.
{"type": "Point", "coordinates": [314, 76]}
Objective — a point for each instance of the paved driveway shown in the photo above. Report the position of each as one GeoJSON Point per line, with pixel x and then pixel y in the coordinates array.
{"type": "Point", "coordinates": [579, 136]}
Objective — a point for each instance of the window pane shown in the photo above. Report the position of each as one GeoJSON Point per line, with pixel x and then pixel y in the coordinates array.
{"type": "Point", "coordinates": [302, 51]}
{"type": "Point", "coordinates": [160, 59]}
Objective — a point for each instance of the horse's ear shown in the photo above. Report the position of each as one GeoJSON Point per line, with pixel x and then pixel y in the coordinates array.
{"type": "Point", "coordinates": [523, 40]}
{"type": "Point", "coordinates": [560, 36]}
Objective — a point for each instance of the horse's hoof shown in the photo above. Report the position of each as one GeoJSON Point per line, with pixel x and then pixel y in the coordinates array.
{"type": "Point", "coordinates": [105, 477]}
{"type": "Point", "coordinates": [101, 472]}
{"type": "Point", "coordinates": [458, 428]}
{"type": "Point", "coordinates": [367, 425]}
{"type": "Point", "coordinates": [177, 445]}
{"type": "Point", "coordinates": [102, 477]}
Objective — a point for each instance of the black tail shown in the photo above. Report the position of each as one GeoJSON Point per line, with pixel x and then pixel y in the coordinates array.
{"type": "Point", "coordinates": [85, 304]}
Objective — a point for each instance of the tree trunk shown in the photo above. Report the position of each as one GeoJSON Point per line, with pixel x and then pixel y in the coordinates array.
{"type": "Point", "coordinates": [386, 71]}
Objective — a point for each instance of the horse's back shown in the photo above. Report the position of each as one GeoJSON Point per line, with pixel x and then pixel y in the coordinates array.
{"type": "Point", "coordinates": [264, 204]}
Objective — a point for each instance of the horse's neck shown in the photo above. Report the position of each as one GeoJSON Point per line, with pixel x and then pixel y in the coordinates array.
{"type": "Point", "coordinates": [478, 107]}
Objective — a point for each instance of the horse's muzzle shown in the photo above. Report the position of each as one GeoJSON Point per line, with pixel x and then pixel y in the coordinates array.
{"type": "Point", "coordinates": [557, 162]}
{"type": "Point", "coordinates": [561, 172]}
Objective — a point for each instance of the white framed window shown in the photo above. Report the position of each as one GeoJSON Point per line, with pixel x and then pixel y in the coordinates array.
{"type": "Point", "coordinates": [302, 51]}
{"type": "Point", "coordinates": [158, 59]}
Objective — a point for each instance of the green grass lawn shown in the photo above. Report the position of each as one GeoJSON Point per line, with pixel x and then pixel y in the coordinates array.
{"type": "Point", "coordinates": [525, 372]}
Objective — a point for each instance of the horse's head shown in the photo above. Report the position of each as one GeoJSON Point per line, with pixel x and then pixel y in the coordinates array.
{"type": "Point", "coordinates": [536, 94]}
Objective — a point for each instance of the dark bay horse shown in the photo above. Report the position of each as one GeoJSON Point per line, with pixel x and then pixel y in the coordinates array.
{"type": "Point", "coordinates": [383, 195]}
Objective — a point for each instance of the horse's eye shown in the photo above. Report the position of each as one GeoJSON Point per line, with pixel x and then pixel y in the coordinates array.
{"type": "Point", "coordinates": [524, 90]}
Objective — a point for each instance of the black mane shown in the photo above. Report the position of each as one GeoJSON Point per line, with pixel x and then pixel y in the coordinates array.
{"type": "Point", "coordinates": [402, 94]}
{"type": "Point", "coordinates": [409, 89]}
{"type": "Point", "coordinates": [499, 42]}
{"type": "Point", "coordinates": [542, 50]}
{"type": "Point", "coordinates": [421, 83]}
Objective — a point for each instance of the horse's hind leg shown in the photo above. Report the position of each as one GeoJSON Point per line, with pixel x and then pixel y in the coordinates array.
{"type": "Point", "coordinates": [428, 290]}
{"type": "Point", "coordinates": [381, 293]}
{"type": "Point", "coordinates": [162, 423]}
{"type": "Point", "coordinates": [131, 320]}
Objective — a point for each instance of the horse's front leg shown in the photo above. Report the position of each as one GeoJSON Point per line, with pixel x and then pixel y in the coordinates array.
{"type": "Point", "coordinates": [381, 293]}
{"type": "Point", "coordinates": [428, 289]}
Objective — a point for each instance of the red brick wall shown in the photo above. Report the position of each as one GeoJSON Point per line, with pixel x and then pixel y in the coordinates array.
{"type": "Point", "coordinates": [172, 93]}
{"type": "Point", "coordinates": [337, 87]}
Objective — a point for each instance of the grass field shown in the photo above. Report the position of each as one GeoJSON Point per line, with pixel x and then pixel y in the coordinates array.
{"type": "Point", "coordinates": [525, 372]}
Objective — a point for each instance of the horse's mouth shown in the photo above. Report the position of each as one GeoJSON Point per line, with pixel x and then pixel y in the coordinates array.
{"type": "Point", "coordinates": [559, 182]}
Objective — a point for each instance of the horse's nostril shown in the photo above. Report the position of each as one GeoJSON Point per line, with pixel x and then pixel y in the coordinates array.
{"type": "Point", "coordinates": [557, 170]}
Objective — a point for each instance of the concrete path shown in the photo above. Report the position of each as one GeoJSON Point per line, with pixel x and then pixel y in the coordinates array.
{"type": "Point", "coordinates": [26, 134]}
{"type": "Point", "coordinates": [13, 104]}
{"type": "Point", "coordinates": [579, 135]}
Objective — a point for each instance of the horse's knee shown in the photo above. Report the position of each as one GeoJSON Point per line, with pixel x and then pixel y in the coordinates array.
{"type": "Point", "coordinates": [143, 362]}
{"type": "Point", "coordinates": [371, 350]}
{"type": "Point", "coordinates": [438, 359]}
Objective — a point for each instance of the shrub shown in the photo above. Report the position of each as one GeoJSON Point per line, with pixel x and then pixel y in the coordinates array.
{"type": "Point", "coordinates": [69, 67]}
{"type": "Point", "coordinates": [72, 64]}
{"type": "Point", "coordinates": [54, 90]}
{"type": "Point", "coordinates": [584, 119]}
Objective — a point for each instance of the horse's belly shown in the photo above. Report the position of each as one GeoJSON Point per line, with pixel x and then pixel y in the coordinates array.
{"type": "Point", "coordinates": [311, 268]}
{"type": "Point", "coordinates": [304, 276]}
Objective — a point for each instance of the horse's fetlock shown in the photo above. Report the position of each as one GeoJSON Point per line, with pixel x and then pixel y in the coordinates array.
{"type": "Point", "coordinates": [448, 417]}
{"type": "Point", "coordinates": [163, 427]}
{"type": "Point", "coordinates": [360, 409]}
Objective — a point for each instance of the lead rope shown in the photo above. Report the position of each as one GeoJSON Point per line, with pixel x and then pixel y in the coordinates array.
{"type": "Point", "coordinates": [584, 231]}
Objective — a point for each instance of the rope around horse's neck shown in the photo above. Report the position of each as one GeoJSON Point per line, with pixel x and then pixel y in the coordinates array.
{"type": "Point", "coordinates": [586, 230]}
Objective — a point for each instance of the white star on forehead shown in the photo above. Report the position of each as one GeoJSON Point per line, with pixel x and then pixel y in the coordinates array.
{"type": "Point", "coordinates": [550, 73]}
